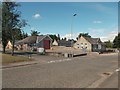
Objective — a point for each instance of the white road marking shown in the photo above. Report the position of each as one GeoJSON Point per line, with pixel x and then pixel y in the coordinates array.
{"type": "Point", "coordinates": [68, 59]}
{"type": "Point", "coordinates": [117, 70]}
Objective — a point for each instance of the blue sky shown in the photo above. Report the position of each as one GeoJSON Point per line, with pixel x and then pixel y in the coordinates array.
{"type": "Point", "coordinates": [99, 19]}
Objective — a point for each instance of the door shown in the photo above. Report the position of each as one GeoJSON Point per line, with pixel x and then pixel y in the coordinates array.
{"type": "Point", "coordinates": [46, 44]}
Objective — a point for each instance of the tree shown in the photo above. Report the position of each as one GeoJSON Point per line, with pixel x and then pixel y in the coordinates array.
{"type": "Point", "coordinates": [83, 34]}
{"type": "Point", "coordinates": [65, 38]}
{"type": "Point", "coordinates": [0, 21]}
{"type": "Point", "coordinates": [55, 37]}
{"type": "Point", "coordinates": [58, 37]}
{"type": "Point", "coordinates": [19, 35]}
{"type": "Point", "coordinates": [34, 33]}
{"type": "Point", "coordinates": [5, 19]}
{"type": "Point", "coordinates": [11, 23]}
{"type": "Point", "coordinates": [116, 41]}
{"type": "Point", "coordinates": [24, 35]}
{"type": "Point", "coordinates": [108, 44]}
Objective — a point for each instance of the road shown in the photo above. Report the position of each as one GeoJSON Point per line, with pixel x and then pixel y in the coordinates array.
{"type": "Point", "coordinates": [79, 72]}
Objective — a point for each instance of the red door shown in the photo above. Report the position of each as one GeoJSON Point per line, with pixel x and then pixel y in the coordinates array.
{"type": "Point", "coordinates": [46, 44]}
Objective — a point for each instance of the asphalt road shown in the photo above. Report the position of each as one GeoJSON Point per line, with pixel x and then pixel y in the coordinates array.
{"type": "Point", "coordinates": [78, 72]}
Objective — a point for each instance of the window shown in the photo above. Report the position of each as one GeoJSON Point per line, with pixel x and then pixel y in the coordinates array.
{"type": "Point", "coordinates": [85, 45]}
{"type": "Point", "coordinates": [81, 44]}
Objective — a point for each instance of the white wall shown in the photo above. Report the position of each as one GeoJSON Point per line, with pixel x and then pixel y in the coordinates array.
{"type": "Point", "coordinates": [85, 44]}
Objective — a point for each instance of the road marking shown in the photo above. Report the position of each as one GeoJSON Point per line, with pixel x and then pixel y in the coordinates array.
{"type": "Point", "coordinates": [117, 70]}
{"type": "Point", "coordinates": [61, 60]}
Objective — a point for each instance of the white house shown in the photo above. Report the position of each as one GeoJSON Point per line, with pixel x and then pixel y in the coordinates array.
{"type": "Point", "coordinates": [90, 44]}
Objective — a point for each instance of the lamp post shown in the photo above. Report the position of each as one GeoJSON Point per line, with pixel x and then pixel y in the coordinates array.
{"type": "Point", "coordinates": [72, 32]}
{"type": "Point", "coordinates": [72, 24]}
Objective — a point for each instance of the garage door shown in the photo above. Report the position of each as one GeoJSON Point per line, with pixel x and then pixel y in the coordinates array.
{"type": "Point", "coordinates": [47, 44]}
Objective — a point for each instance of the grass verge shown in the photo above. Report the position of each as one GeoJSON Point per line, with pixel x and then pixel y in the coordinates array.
{"type": "Point", "coordinates": [7, 58]}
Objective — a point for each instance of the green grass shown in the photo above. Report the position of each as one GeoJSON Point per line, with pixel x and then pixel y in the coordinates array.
{"type": "Point", "coordinates": [7, 58]}
{"type": "Point", "coordinates": [23, 50]}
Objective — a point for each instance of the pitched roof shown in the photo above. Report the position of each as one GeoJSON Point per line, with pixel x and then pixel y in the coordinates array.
{"type": "Point", "coordinates": [64, 41]}
{"type": "Point", "coordinates": [28, 40]}
{"type": "Point", "coordinates": [32, 39]}
{"type": "Point", "coordinates": [39, 38]}
{"type": "Point", "coordinates": [93, 40]}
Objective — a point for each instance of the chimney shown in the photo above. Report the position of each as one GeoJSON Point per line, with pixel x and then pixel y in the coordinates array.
{"type": "Point", "coordinates": [37, 39]}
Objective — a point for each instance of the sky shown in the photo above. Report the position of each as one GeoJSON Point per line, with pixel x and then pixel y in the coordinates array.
{"type": "Point", "coordinates": [99, 19]}
{"type": "Point", "coordinates": [65, 0]}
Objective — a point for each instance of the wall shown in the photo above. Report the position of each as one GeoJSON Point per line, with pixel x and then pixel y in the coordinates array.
{"type": "Point", "coordinates": [41, 43]}
{"type": "Point", "coordinates": [9, 45]}
{"type": "Point", "coordinates": [55, 43]}
{"type": "Point", "coordinates": [84, 41]}
{"type": "Point", "coordinates": [95, 47]}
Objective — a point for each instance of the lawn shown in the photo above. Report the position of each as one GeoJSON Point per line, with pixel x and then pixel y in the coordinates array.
{"type": "Point", "coordinates": [7, 58]}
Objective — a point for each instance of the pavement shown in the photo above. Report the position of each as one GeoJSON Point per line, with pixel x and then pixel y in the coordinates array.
{"type": "Point", "coordinates": [56, 72]}
{"type": "Point", "coordinates": [107, 83]}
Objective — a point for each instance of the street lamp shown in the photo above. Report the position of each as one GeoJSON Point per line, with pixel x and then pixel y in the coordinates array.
{"type": "Point", "coordinates": [71, 32]}
{"type": "Point", "coordinates": [72, 25]}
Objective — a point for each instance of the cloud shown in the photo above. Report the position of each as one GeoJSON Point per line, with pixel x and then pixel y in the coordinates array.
{"type": "Point", "coordinates": [36, 15]}
{"type": "Point", "coordinates": [97, 22]}
{"type": "Point", "coordinates": [93, 30]}
{"type": "Point", "coordinates": [107, 36]}
{"type": "Point", "coordinates": [104, 34]}
{"type": "Point", "coordinates": [110, 36]}
{"type": "Point", "coordinates": [32, 28]}
{"type": "Point", "coordinates": [104, 8]}
{"type": "Point", "coordinates": [68, 36]}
